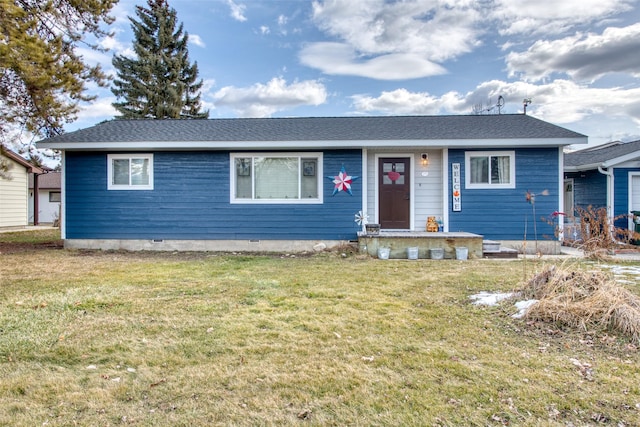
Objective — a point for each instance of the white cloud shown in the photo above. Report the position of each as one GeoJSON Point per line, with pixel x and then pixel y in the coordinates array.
{"type": "Point", "coordinates": [341, 59]}
{"type": "Point", "coordinates": [403, 102]}
{"type": "Point", "coordinates": [208, 85]}
{"type": "Point", "coordinates": [263, 100]}
{"type": "Point", "coordinates": [237, 11]}
{"type": "Point", "coordinates": [264, 30]}
{"type": "Point", "coordinates": [122, 10]}
{"type": "Point", "coordinates": [206, 94]}
{"type": "Point", "coordinates": [282, 24]}
{"type": "Point", "coordinates": [583, 57]}
{"type": "Point", "coordinates": [373, 35]}
{"type": "Point", "coordinates": [560, 101]}
{"type": "Point", "coordinates": [420, 26]}
{"type": "Point", "coordinates": [99, 108]}
{"type": "Point", "coordinates": [196, 40]}
{"type": "Point", "coordinates": [93, 57]}
{"type": "Point", "coordinates": [552, 16]}
{"type": "Point", "coordinates": [368, 37]}
{"type": "Point", "coordinates": [110, 43]}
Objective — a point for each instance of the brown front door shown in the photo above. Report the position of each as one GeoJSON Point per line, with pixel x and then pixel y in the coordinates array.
{"type": "Point", "coordinates": [394, 193]}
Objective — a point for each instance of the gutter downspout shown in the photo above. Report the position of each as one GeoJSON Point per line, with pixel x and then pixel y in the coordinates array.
{"type": "Point", "coordinates": [36, 194]}
{"type": "Point", "coordinates": [609, 174]}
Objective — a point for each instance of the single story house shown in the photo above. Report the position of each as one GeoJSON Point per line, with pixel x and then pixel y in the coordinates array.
{"type": "Point", "coordinates": [49, 197]}
{"type": "Point", "coordinates": [293, 183]}
{"type": "Point", "coordinates": [14, 196]}
{"type": "Point", "coordinates": [606, 176]}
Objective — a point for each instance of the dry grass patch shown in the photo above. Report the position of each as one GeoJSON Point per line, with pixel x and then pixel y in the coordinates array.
{"type": "Point", "coordinates": [584, 299]}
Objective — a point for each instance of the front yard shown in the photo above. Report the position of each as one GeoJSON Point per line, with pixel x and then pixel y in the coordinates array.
{"type": "Point", "coordinates": [104, 338]}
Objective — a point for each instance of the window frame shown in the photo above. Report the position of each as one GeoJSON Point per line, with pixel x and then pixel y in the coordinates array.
{"type": "Point", "coordinates": [302, 157]}
{"type": "Point", "coordinates": [512, 169]}
{"type": "Point", "coordinates": [130, 157]}
{"type": "Point", "coordinates": [58, 193]}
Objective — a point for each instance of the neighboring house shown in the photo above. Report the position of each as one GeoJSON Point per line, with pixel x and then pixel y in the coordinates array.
{"type": "Point", "coordinates": [14, 191]}
{"type": "Point", "coordinates": [291, 183]}
{"type": "Point", "coordinates": [606, 176]}
{"type": "Point", "coordinates": [49, 198]}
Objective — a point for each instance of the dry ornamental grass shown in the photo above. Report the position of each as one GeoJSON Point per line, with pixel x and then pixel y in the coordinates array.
{"type": "Point", "coordinates": [585, 300]}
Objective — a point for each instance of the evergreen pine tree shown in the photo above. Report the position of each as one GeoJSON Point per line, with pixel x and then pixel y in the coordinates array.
{"type": "Point", "coordinates": [160, 82]}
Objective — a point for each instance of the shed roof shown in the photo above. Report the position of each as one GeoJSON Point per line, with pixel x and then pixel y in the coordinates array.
{"type": "Point", "coordinates": [348, 131]}
{"type": "Point", "coordinates": [605, 155]}
{"type": "Point", "coordinates": [50, 180]}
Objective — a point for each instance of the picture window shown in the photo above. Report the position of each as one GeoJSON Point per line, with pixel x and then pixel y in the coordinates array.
{"type": "Point", "coordinates": [276, 178]}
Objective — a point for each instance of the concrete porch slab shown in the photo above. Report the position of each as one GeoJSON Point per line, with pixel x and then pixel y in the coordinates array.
{"type": "Point", "coordinates": [399, 241]}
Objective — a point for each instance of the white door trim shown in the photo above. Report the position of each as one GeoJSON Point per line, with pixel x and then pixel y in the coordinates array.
{"type": "Point", "coordinates": [411, 158]}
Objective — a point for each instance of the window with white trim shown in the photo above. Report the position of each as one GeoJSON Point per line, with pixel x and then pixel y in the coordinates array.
{"type": "Point", "coordinates": [130, 171]}
{"type": "Point", "coordinates": [276, 177]}
{"type": "Point", "coordinates": [490, 169]}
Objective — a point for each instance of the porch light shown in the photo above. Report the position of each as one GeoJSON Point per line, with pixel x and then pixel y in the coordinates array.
{"type": "Point", "coordinates": [425, 160]}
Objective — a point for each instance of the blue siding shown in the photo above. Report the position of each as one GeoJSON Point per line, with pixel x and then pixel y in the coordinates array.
{"type": "Point", "coordinates": [501, 214]}
{"type": "Point", "coordinates": [621, 195]}
{"type": "Point", "coordinates": [190, 200]}
{"type": "Point", "coordinates": [589, 189]}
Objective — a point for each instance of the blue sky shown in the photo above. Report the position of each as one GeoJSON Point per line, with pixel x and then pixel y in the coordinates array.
{"type": "Point", "coordinates": [577, 60]}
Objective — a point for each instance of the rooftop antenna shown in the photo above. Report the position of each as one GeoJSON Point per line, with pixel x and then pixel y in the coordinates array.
{"type": "Point", "coordinates": [500, 104]}
{"type": "Point", "coordinates": [526, 102]}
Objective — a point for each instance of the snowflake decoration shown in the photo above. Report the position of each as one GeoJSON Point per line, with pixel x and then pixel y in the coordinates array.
{"type": "Point", "coordinates": [342, 182]}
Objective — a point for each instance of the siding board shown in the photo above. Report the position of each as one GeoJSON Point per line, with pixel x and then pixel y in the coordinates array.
{"type": "Point", "coordinates": [621, 198]}
{"type": "Point", "coordinates": [191, 200]}
{"type": "Point", "coordinates": [14, 202]}
{"type": "Point", "coordinates": [589, 189]}
{"type": "Point", "coordinates": [504, 214]}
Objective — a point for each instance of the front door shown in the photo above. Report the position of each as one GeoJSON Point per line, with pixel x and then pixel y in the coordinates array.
{"type": "Point", "coordinates": [394, 191]}
{"type": "Point", "coordinates": [634, 196]}
{"type": "Point", "coordinates": [568, 198]}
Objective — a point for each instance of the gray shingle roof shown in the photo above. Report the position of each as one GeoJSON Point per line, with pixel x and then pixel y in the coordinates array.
{"type": "Point", "coordinates": [594, 156]}
{"type": "Point", "coordinates": [505, 126]}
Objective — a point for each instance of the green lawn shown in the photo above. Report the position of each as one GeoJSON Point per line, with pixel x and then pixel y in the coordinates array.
{"type": "Point", "coordinates": [198, 339]}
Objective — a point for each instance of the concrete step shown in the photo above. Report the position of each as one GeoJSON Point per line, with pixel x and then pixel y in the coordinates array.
{"type": "Point", "coordinates": [492, 249]}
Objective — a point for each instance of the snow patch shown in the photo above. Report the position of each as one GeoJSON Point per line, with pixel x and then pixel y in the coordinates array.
{"type": "Point", "coordinates": [487, 298]}
{"type": "Point", "coordinates": [522, 307]}
{"type": "Point", "coordinates": [493, 298]}
{"type": "Point", "coordinates": [623, 271]}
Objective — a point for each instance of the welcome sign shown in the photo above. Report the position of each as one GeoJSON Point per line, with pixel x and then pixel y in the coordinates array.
{"type": "Point", "coordinates": [455, 194]}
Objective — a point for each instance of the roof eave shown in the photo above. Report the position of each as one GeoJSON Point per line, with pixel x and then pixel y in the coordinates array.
{"type": "Point", "coordinates": [344, 144]}
{"type": "Point", "coordinates": [605, 164]}
{"type": "Point", "coordinates": [580, 168]}
{"type": "Point", "coordinates": [22, 161]}
{"type": "Point", "coordinates": [621, 159]}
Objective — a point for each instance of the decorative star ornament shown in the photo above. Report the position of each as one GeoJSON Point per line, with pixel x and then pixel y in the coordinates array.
{"type": "Point", "coordinates": [342, 182]}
